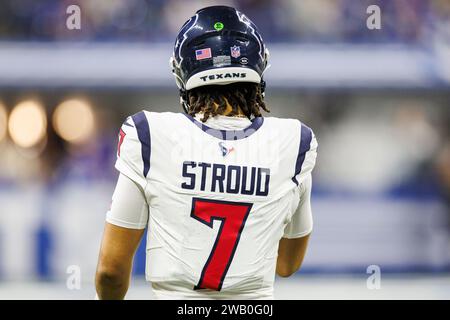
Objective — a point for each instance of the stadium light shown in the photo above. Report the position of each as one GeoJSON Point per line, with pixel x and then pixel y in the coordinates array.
{"type": "Point", "coordinates": [3, 121]}
{"type": "Point", "coordinates": [73, 121]}
{"type": "Point", "coordinates": [27, 124]}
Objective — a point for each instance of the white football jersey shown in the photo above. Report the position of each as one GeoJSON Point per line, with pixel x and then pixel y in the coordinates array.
{"type": "Point", "coordinates": [218, 200]}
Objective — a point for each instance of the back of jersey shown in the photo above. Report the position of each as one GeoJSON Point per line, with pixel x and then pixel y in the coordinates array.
{"type": "Point", "coordinates": [219, 200]}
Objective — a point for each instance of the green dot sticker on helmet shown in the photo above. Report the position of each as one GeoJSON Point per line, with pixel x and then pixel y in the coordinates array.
{"type": "Point", "coordinates": [218, 26]}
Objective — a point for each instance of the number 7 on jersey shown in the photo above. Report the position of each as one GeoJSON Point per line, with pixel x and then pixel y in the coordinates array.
{"type": "Point", "coordinates": [233, 216]}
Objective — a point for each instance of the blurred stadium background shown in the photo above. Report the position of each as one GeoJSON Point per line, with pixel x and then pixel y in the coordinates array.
{"type": "Point", "coordinates": [378, 100]}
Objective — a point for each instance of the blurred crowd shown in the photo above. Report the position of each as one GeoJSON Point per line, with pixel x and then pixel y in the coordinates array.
{"type": "Point", "coordinates": [402, 21]}
{"type": "Point", "coordinates": [421, 129]}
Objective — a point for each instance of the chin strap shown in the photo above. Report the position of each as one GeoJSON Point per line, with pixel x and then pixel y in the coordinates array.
{"type": "Point", "coordinates": [268, 65]}
{"type": "Point", "coordinates": [184, 100]}
{"type": "Point", "coordinates": [262, 84]}
{"type": "Point", "coordinates": [180, 84]}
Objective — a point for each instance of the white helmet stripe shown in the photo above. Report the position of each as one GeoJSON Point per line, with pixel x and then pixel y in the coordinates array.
{"type": "Point", "coordinates": [185, 36]}
{"type": "Point", "coordinates": [243, 18]}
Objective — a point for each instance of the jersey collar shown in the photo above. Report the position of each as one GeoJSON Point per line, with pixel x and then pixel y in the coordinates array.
{"type": "Point", "coordinates": [256, 123]}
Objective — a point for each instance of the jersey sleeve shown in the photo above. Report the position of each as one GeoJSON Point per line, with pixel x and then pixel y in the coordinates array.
{"type": "Point", "coordinates": [307, 154]}
{"type": "Point", "coordinates": [129, 208]}
{"type": "Point", "coordinates": [134, 148]}
{"type": "Point", "coordinates": [301, 223]}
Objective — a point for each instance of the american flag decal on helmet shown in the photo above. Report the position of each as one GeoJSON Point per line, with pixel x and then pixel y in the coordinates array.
{"type": "Point", "coordinates": [203, 54]}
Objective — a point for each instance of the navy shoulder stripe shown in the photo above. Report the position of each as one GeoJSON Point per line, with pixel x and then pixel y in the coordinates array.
{"type": "Point", "coordinates": [305, 145]}
{"type": "Point", "coordinates": [143, 131]}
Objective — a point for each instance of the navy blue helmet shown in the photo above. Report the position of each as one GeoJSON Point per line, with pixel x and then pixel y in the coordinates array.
{"type": "Point", "coordinates": [218, 46]}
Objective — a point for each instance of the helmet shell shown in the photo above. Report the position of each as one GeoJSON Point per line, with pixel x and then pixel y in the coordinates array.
{"type": "Point", "coordinates": [218, 46]}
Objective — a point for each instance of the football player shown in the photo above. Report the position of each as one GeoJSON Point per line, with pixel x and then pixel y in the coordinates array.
{"type": "Point", "coordinates": [223, 191]}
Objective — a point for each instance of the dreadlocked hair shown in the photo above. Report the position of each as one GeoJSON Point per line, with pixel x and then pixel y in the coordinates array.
{"type": "Point", "coordinates": [244, 96]}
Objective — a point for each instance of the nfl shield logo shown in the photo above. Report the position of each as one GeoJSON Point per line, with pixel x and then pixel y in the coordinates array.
{"type": "Point", "coordinates": [235, 51]}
